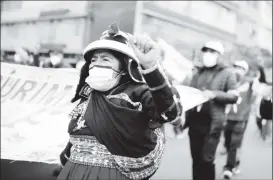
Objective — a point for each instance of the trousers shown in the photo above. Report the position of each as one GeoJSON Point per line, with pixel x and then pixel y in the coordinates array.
{"type": "Point", "coordinates": [233, 133]}
{"type": "Point", "coordinates": [203, 147]}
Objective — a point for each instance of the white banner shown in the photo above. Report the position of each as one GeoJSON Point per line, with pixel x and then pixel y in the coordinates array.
{"type": "Point", "coordinates": [175, 63]}
{"type": "Point", "coordinates": [34, 111]}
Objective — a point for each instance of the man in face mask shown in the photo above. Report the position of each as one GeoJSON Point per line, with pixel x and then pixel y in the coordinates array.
{"type": "Point", "coordinates": [206, 121]}
{"type": "Point", "coordinates": [56, 60]}
{"type": "Point", "coordinates": [238, 115]}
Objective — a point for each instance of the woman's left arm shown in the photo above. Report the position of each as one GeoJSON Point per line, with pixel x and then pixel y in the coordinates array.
{"type": "Point", "coordinates": [164, 105]}
{"type": "Point", "coordinates": [162, 100]}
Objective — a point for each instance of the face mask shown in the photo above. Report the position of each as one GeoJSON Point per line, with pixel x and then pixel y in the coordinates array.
{"type": "Point", "coordinates": [102, 78]}
{"type": "Point", "coordinates": [209, 59]}
{"type": "Point", "coordinates": [55, 60]}
{"type": "Point", "coordinates": [17, 58]}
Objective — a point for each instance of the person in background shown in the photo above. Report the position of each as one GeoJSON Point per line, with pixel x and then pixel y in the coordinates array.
{"type": "Point", "coordinates": [56, 60]}
{"type": "Point", "coordinates": [260, 79]}
{"type": "Point", "coordinates": [265, 114]}
{"type": "Point", "coordinates": [117, 129]}
{"type": "Point", "coordinates": [237, 119]}
{"type": "Point", "coordinates": [34, 53]}
{"type": "Point", "coordinates": [206, 121]}
{"type": "Point", "coordinates": [23, 56]}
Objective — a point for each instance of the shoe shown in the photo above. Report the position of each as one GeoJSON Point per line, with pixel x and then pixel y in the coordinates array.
{"type": "Point", "coordinates": [227, 174]}
{"type": "Point", "coordinates": [236, 171]}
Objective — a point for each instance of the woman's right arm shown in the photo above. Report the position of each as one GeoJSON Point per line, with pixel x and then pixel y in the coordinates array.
{"type": "Point", "coordinates": [65, 154]}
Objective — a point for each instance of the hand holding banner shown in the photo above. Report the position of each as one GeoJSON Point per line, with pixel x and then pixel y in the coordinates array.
{"type": "Point", "coordinates": [190, 97]}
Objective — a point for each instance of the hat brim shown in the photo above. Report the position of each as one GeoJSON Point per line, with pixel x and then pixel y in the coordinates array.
{"type": "Point", "coordinates": [219, 50]}
{"type": "Point", "coordinates": [241, 66]}
{"type": "Point", "coordinates": [112, 45]}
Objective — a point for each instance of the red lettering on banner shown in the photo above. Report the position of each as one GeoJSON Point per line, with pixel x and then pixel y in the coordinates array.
{"type": "Point", "coordinates": [26, 87]}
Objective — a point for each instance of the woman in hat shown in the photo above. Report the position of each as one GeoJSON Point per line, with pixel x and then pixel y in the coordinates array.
{"type": "Point", "coordinates": [116, 130]}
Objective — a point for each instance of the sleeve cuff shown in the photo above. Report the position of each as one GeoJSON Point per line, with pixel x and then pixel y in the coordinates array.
{"type": "Point", "coordinates": [148, 71]}
{"type": "Point", "coordinates": [154, 78]}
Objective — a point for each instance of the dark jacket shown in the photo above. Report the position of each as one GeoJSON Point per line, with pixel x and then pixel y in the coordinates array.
{"type": "Point", "coordinates": [219, 79]}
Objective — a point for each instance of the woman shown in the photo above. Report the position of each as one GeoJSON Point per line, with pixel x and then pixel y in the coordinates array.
{"type": "Point", "coordinates": [116, 129]}
{"type": "Point", "coordinates": [265, 113]}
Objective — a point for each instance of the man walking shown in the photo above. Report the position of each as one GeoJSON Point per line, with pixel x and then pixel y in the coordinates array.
{"type": "Point", "coordinates": [237, 119]}
{"type": "Point", "coordinates": [206, 121]}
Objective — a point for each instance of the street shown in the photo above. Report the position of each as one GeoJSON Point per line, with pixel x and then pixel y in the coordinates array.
{"type": "Point", "coordinates": [256, 158]}
{"type": "Point", "coordinates": [256, 161]}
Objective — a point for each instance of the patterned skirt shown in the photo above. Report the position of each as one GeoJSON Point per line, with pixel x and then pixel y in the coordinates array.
{"type": "Point", "coordinates": [91, 160]}
{"type": "Point", "coordinates": [73, 171]}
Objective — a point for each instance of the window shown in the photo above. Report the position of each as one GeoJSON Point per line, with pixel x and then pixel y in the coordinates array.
{"type": "Point", "coordinates": [11, 5]}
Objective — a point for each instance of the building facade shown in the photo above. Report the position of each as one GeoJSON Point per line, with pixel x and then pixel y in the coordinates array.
{"type": "Point", "coordinates": [186, 25]}
{"type": "Point", "coordinates": [26, 23]}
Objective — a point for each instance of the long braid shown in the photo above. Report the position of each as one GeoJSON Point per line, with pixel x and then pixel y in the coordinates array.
{"type": "Point", "coordinates": [83, 75]}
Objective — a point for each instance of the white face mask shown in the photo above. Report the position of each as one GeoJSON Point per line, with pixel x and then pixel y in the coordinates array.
{"type": "Point", "coordinates": [17, 58]}
{"type": "Point", "coordinates": [210, 59]}
{"type": "Point", "coordinates": [102, 78]}
{"type": "Point", "coordinates": [55, 60]}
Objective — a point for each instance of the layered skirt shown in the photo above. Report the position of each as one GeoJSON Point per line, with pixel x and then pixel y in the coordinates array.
{"type": "Point", "coordinates": [74, 171]}
{"type": "Point", "coordinates": [91, 160]}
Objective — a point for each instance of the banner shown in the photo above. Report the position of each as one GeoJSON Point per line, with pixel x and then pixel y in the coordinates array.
{"type": "Point", "coordinates": [35, 104]}
{"type": "Point", "coordinates": [190, 97]}
{"type": "Point", "coordinates": [175, 63]}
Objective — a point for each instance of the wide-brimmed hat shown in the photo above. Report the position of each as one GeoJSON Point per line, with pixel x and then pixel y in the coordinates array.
{"type": "Point", "coordinates": [116, 40]}
{"type": "Point", "coordinates": [112, 39]}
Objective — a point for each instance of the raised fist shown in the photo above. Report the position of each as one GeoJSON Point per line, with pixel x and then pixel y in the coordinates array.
{"type": "Point", "coordinates": [147, 51]}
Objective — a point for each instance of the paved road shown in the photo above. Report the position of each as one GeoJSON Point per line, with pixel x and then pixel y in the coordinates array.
{"type": "Point", "coordinates": [256, 158]}
{"type": "Point", "coordinates": [176, 163]}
